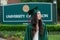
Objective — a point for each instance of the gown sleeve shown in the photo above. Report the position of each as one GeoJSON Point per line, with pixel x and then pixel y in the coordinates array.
{"type": "Point", "coordinates": [45, 33]}
{"type": "Point", "coordinates": [28, 34]}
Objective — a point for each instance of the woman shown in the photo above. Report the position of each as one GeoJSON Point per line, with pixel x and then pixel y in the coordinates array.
{"type": "Point", "coordinates": [37, 24]}
{"type": "Point", "coordinates": [36, 30]}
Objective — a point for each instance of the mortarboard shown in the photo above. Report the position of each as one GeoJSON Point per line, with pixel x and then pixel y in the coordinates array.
{"type": "Point", "coordinates": [33, 11]}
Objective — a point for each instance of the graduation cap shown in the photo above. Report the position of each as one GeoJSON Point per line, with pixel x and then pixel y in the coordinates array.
{"type": "Point", "coordinates": [33, 11]}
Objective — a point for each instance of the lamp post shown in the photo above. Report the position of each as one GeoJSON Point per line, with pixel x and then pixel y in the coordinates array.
{"type": "Point", "coordinates": [55, 10]}
{"type": "Point", "coordinates": [54, 1]}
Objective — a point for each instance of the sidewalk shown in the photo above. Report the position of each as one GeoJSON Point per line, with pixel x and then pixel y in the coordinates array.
{"type": "Point", "coordinates": [2, 39]}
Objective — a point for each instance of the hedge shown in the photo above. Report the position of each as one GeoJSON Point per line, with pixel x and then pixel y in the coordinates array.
{"type": "Point", "coordinates": [53, 27]}
{"type": "Point", "coordinates": [8, 27]}
{"type": "Point", "coordinates": [5, 27]}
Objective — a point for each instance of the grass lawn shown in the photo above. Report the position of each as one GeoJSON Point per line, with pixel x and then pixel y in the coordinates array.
{"type": "Point", "coordinates": [54, 37]}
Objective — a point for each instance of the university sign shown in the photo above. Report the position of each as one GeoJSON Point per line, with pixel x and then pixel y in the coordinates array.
{"type": "Point", "coordinates": [18, 12]}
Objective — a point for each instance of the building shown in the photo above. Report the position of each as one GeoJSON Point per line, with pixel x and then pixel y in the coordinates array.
{"type": "Point", "coordinates": [5, 2]}
{"type": "Point", "coordinates": [12, 1]}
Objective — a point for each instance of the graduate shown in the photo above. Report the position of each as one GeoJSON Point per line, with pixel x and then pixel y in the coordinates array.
{"type": "Point", "coordinates": [36, 30]}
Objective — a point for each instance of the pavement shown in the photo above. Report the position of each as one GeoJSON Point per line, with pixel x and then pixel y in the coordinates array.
{"type": "Point", "coordinates": [2, 39]}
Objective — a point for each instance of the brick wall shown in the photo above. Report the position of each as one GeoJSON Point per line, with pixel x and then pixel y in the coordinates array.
{"type": "Point", "coordinates": [12, 1]}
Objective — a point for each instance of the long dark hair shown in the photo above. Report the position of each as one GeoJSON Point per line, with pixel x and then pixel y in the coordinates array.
{"type": "Point", "coordinates": [34, 22]}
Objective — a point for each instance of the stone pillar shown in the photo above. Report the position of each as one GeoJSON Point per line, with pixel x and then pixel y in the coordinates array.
{"type": "Point", "coordinates": [3, 2]}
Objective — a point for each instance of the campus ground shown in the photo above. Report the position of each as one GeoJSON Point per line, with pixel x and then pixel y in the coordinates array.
{"type": "Point", "coordinates": [54, 36]}
{"type": "Point", "coordinates": [51, 36]}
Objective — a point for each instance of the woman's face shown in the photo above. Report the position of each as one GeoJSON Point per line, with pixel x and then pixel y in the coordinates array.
{"type": "Point", "coordinates": [38, 15]}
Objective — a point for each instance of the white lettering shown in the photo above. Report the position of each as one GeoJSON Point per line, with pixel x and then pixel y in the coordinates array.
{"type": "Point", "coordinates": [44, 15]}
{"type": "Point", "coordinates": [15, 16]}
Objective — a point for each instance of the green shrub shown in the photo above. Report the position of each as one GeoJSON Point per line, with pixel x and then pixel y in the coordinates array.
{"type": "Point", "coordinates": [50, 27]}
{"type": "Point", "coordinates": [7, 27]}
{"type": "Point", "coordinates": [53, 27]}
{"type": "Point", "coordinates": [13, 34]}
